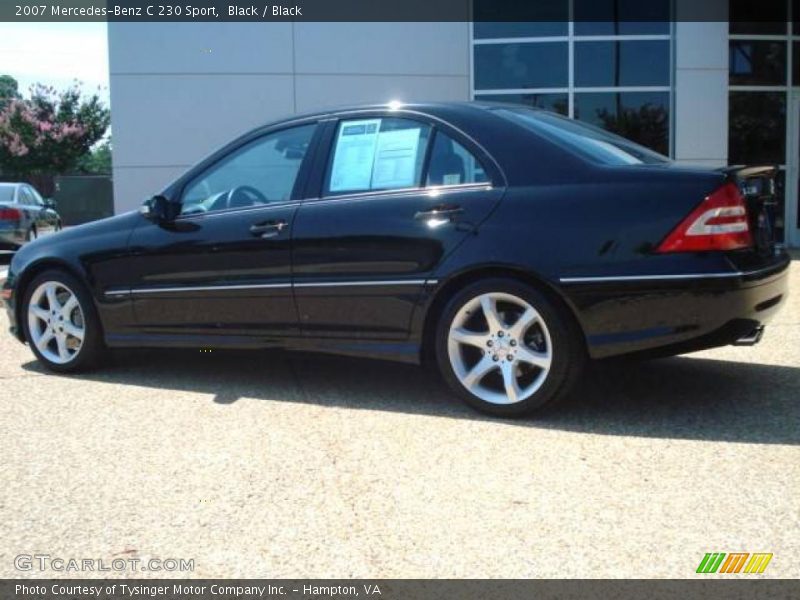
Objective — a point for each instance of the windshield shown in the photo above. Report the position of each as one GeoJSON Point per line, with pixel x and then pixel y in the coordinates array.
{"type": "Point", "coordinates": [593, 142]}
{"type": "Point", "coordinates": [6, 193]}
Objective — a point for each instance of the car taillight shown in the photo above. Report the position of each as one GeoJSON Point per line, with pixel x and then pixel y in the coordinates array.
{"type": "Point", "coordinates": [718, 223]}
{"type": "Point", "coordinates": [10, 214]}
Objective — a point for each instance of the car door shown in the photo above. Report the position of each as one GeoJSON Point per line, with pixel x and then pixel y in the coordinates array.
{"type": "Point", "coordinates": [29, 211]}
{"type": "Point", "coordinates": [395, 195]}
{"type": "Point", "coordinates": [223, 266]}
{"type": "Point", "coordinates": [48, 217]}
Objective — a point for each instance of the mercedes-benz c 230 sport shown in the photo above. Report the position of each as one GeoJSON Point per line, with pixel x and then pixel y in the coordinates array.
{"type": "Point", "coordinates": [502, 244]}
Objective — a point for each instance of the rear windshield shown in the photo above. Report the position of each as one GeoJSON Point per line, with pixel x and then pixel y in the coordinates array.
{"type": "Point", "coordinates": [592, 142]}
{"type": "Point", "coordinates": [6, 193]}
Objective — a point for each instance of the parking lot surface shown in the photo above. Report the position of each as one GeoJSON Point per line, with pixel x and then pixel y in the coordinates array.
{"type": "Point", "coordinates": [267, 465]}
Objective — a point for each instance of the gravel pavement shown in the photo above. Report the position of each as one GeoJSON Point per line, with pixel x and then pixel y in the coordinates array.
{"type": "Point", "coordinates": [263, 465]}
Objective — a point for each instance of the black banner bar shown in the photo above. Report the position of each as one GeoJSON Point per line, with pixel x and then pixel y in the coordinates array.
{"type": "Point", "coordinates": [390, 10]}
{"type": "Point", "coordinates": [742, 587]}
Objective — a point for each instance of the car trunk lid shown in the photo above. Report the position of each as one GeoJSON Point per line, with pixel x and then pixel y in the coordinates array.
{"type": "Point", "coordinates": [757, 185]}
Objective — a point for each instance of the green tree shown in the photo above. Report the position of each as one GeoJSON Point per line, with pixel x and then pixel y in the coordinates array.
{"type": "Point", "coordinates": [98, 161]}
{"type": "Point", "coordinates": [9, 90]}
{"type": "Point", "coordinates": [649, 125]}
{"type": "Point", "coordinates": [49, 132]}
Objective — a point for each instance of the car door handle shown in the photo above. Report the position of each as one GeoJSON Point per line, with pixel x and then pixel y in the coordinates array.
{"type": "Point", "coordinates": [437, 213]}
{"type": "Point", "coordinates": [268, 229]}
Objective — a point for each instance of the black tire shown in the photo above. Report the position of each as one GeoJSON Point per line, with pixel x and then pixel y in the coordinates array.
{"type": "Point", "coordinates": [92, 349]}
{"type": "Point", "coordinates": [567, 348]}
{"type": "Point", "coordinates": [30, 235]}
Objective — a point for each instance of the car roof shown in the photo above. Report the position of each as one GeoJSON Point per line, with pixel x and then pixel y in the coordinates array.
{"type": "Point", "coordinates": [501, 140]}
{"type": "Point", "coordinates": [436, 109]}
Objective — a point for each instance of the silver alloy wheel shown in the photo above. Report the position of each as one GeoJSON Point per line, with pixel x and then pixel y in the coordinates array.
{"type": "Point", "coordinates": [500, 348]}
{"type": "Point", "coordinates": [55, 322]}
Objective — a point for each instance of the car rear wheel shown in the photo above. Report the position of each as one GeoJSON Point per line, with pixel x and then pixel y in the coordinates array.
{"type": "Point", "coordinates": [61, 325]}
{"type": "Point", "coordinates": [507, 349]}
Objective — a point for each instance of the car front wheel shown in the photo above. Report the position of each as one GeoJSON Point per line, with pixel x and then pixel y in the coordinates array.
{"type": "Point", "coordinates": [60, 322]}
{"type": "Point", "coordinates": [507, 349]}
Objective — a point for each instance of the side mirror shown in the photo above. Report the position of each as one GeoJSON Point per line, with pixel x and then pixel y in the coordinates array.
{"type": "Point", "coordinates": [161, 209]}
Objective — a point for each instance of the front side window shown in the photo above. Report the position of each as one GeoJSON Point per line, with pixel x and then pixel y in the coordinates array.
{"type": "Point", "coordinates": [35, 197]}
{"type": "Point", "coordinates": [261, 172]}
{"type": "Point", "coordinates": [377, 154]}
{"type": "Point", "coordinates": [452, 164]}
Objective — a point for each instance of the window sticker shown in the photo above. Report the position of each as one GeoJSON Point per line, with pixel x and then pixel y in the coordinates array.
{"type": "Point", "coordinates": [451, 179]}
{"type": "Point", "coordinates": [396, 159]}
{"type": "Point", "coordinates": [354, 155]}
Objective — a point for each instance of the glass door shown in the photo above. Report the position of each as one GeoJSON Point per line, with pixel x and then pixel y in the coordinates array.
{"type": "Point", "coordinates": [792, 185]}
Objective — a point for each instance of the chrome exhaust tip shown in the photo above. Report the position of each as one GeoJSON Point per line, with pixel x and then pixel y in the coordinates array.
{"type": "Point", "coordinates": [752, 338]}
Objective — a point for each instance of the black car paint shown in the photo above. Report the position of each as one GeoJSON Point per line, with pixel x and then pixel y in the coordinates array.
{"type": "Point", "coordinates": [360, 275]}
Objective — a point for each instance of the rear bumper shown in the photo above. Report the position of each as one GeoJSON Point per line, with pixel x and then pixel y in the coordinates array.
{"type": "Point", "coordinates": [677, 315]}
{"type": "Point", "coordinates": [11, 237]}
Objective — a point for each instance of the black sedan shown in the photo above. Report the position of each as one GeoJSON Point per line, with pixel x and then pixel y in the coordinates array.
{"type": "Point", "coordinates": [24, 215]}
{"type": "Point", "coordinates": [502, 244]}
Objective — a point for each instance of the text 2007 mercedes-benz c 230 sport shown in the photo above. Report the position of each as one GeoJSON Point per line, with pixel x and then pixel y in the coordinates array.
{"type": "Point", "coordinates": [503, 244]}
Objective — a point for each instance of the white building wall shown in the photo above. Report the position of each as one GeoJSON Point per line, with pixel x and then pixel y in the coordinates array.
{"type": "Point", "coordinates": [701, 90]}
{"type": "Point", "coordinates": [180, 90]}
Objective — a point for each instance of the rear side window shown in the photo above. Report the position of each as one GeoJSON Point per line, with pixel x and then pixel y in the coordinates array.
{"type": "Point", "coordinates": [377, 154]}
{"type": "Point", "coordinates": [24, 196]}
{"type": "Point", "coordinates": [452, 164]}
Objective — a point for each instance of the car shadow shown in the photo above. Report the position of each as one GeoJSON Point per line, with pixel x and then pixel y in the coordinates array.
{"type": "Point", "coordinates": [679, 398]}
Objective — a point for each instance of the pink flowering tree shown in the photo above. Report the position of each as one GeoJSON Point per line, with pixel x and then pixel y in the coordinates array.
{"type": "Point", "coordinates": [48, 133]}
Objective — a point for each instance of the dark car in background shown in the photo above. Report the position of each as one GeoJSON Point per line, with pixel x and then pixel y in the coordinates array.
{"type": "Point", "coordinates": [502, 244]}
{"type": "Point", "coordinates": [24, 215]}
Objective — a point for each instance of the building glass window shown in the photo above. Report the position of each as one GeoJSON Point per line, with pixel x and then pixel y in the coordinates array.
{"type": "Point", "coordinates": [639, 116]}
{"type": "Point", "coordinates": [757, 128]}
{"type": "Point", "coordinates": [765, 17]}
{"type": "Point", "coordinates": [796, 17]}
{"type": "Point", "coordinates": [621, 17]}
{"type": "Point", "coordinates": [780, 208]}
{"type": "Point", "coordinates": [621, 72]}
{"type": "Point", "coordinates": [515, 66]}
{"type": "Point", "coordinates": [757, 62]}
{"type": "Point", "coordinates": [531, 19]}
{"type": "Point", "coordinates": [516, 29]}
{"type": "Point", "coordinates": [631, 63]}
{"type": "Point", "coordinates": [764, 60]}
{"type": "Point", "coordinates": [558, 103]}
